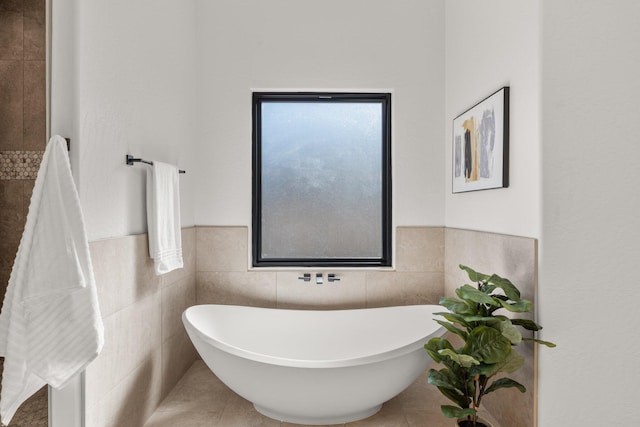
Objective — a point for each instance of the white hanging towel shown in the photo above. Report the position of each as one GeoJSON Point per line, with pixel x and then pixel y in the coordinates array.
{"type": "Point", "coordinates": [163, 217]}
{"type": "Point", "coordinates": [50, 325]}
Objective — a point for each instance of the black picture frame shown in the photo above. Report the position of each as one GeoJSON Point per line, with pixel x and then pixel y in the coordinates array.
{"type": "Point", "coordinates": [480, 145]}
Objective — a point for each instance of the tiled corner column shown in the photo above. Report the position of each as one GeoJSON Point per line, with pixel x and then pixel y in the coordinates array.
{"type": "Point", "coordinates": [516, 259]}
{"type": "Point", "coordinates": [146, 349]}
{"type": "Point", "coordinates": [223, 276]}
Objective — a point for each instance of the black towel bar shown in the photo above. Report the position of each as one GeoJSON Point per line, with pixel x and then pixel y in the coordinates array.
{"type": "Point", "coordinates": [130, 160]}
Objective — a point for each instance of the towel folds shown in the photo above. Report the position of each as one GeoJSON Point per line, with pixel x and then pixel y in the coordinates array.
{"type": "Point", "coordinates": [50, 325]}
{"type": "Point", "coordinates": [163, 217]}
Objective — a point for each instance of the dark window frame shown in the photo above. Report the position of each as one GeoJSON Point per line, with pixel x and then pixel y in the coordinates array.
{"type": "Point", "coordinates": [386, 227]}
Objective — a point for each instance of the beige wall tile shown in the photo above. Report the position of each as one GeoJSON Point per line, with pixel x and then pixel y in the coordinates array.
{"type": "Point", "coordinates": [219, 260]}
{"type": "Point", "coordinates": [236, 288]}
{"type": "Point", "coordinates": [189, 249]}
{"type": "Point", "coordinates": [176, 299]}
{"type": "Point", "coordinates": [142, 317]}
{"type": "Point", "coordinates": [198, 389]}
{"type": "Point", "coordinates": [420, 249]}
{"type": "Point", "coordinates": [188, 259]}
{"type": "Point", "coordinates": [221, 249]}
{"type": "Point", "coordinates": [224, 249]}
{"type": "Point", "coordinates": [509, 256]}
{"type": "Point", "coordinates": [132, 335]}
{"type": "Point", "coordinates": [514, 258]}
{"type": "Point", "coordinates": [124, 272]}
{"type": "Point", "coordinates": [132, 401]}
{"type": "Point", "coordinates": [510, 406]}
{"type": "Point", "coordinates": [349, 292]}
{"type": "Point", "coordinates": [178, 354]}
{"type": "Point", "coordinates": [394, 288]}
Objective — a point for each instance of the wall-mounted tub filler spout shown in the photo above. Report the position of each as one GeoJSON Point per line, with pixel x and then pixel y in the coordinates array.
{"type": "Point", "coordinates": [318, 278]}
{"type": "Point", "coordinates": [331, 277]}
{"type": "Point", "coordinates": [306, 277]}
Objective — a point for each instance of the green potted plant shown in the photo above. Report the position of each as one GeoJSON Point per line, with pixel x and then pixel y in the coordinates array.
{"type": "Point", "coordinates": [488, 344]}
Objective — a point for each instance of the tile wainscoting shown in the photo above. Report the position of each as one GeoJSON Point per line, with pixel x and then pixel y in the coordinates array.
{"type": "Point", "coordinates": [147, 350]}
{"type": "Point", "coordinates": [515, 258]}
{"type": "Point", "coordinates": [223, 275]}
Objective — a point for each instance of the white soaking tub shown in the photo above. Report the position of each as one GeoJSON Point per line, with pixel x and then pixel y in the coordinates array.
{"type": "Point", "coordinates": [314, 367]}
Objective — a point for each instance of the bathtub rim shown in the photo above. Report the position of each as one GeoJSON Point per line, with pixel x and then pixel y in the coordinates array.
{"type": "Point", "coordinates": [418, 344]}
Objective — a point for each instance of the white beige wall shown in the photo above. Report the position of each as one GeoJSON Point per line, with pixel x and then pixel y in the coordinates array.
{"type": "Point", "coordinates": [490, 44]}
{"type": "Point", "coordinates": [574, 65]}
{"type": "Point", "coordinates": [590, 230]}
{"type": "Point", "coordinates": [340, 45]}
{"type": "Point", "coordinates": [124, 83]}
{"type": "Point", "coordinates": [571, 183]}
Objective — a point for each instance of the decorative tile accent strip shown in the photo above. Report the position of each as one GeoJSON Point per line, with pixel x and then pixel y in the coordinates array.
{"type": "Point", "coordinates": [20, 164]}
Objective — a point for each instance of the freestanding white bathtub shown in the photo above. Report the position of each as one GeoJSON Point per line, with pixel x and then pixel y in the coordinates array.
{"type": "Point", "coordinates": [314, 367]}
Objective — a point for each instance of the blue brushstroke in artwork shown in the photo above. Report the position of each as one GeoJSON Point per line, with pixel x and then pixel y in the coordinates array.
{"type": "Point", "coordinates": [487, 140]}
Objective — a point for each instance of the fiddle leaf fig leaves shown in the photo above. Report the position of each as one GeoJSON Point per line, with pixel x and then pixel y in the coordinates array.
{"type": "Point", "coordinates": [445, 378]}
{"type": "Point", "coordinates": [509, 331]}
{"type": "Point", "coordinates": [455, 396]}
{"type": "Point", "coordinates": [464, 360]}
{"type": "Point", "coordinates": [547, 343]}
{"type": "Point", "coordinates": [527, 324]}
{"type": "Point", "coordinates": [455, 318]}
{"type": "Point", "coordinates": [454, 412]}
{"type": "Point", "coordinates": [487, 345]}
{"type": "Point", "coordinates": [457, 306]}
{"type": "Point", "coordinates": [451, 328]}
{"type": "Point", "coordinates": [470, 293]}
{"type": "Point", "coordinates": [474, 276]}
{"type": "Point", "coordinates": [521, 306]}
{"type": "Point", "coordinates": [512, 362]}
{"type": "Point", "coordinates": [504, 383]}
{"type": "Point", "coordinates": [489, 341]}
{"type": "Point", "coordinates": [507, 287]}
{"type": "Point", "coordinates": [434, 346]}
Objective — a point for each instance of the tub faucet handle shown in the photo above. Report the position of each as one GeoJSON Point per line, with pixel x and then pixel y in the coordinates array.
{"type": "Point", "coordinates": [319, 278]}
{"type": "Point", "coordinates": [306, 277]}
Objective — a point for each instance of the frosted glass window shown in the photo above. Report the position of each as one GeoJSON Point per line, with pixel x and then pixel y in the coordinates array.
{"type": "Point", "coordinates": [321, 179]}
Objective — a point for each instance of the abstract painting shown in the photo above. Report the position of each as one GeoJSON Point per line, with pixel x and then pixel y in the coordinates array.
{"type": "Point", "coordinates": [481, 145]}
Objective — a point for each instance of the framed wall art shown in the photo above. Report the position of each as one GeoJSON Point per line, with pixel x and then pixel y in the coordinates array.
{"type": "Point", "coordinates": [481, 145]}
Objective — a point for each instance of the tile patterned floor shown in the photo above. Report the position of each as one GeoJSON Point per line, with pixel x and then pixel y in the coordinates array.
{"type": "Point", "coordinates": [200, 399]}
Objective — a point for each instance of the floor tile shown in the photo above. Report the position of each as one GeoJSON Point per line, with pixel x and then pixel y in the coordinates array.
{"type": "Point", "coordinates": [201, 399]}
{"type": "Point", "coordinates": [184, 418]}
